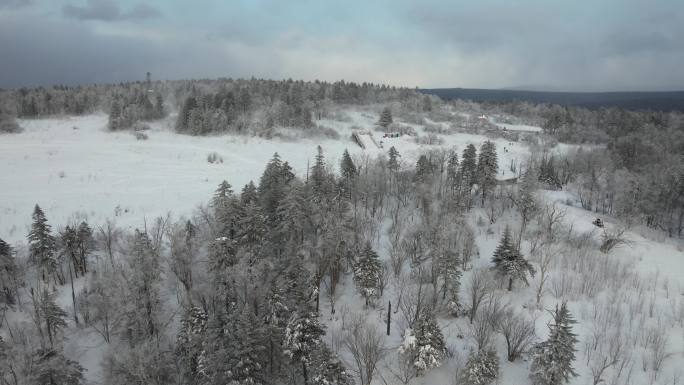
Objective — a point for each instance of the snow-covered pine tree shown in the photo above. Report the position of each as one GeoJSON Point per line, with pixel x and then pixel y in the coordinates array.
{"type": "Point", "coordinates": [217, 359]}
{"type": "Point", "coordinates": [347, 167]}
{"type": "Point", "coordinates": [249, 194]}
{"type": "Point", "coordinates": [297, 287]}
{"type": "Point", "coordinates": [222, 195]}
{"type": "Point", "coordinates": [271, 189]}
{"type": "Point", "coordinates": [47, 312]}
{"type": "Point", "coordinates": [286, 173]}
{"type": "Point", "coordinates": [249, 347]}
{"type": "Point", "coordinates": [367, 273]}
{"type": "Point", "coordinates": [222, 203]}
{"type": "Point", "coordinates": [294, 212]}
{"type": "Point", "coordinates": [42, 245]}
{"type": "Point", "coordinates": [319, 179]}
{"type": "Point", "coordinates": [424, 170]}
{"type": "Point", "coordinates": [253, 229]}
{"type": "Point", "coordinates": [302, 338]}
{"type": "Point", "coordinates": [469, 167]}
{"type": "Point", "coordinates": [51, 367]}
{"type": "Point", "coordinates": [183, 123]}
{"type": "Point", "coordinates": [552, 359]}
{"type": "Point", "coordinates": [222, 256]}
{"type": "Point", "coordinates": [482, 368]}
{"type": "Point", "coordinates": [159, 106]}
{"type": "Point", "coordinates": [452, 172]}
{"type": "Point", "coordinates": [190, 342]}
{"type": "Point", "coordinates": [450, 271]}
{"type": "Point", "coordinates": [329, 369]}
{"type": "Point", "coordinates": [487, 169]}
{"type": "Point", "coordinates": [114, 122]}
{"type": "Point", "coordinates": [276, 318]}
{"type": "Point", "coordinates": [427, 103]}
{"type": "Point", "coordinates": [430, 348]}
{"type": "Point", "coordinates": [385, 118]}
{"type": "Point", "coordinates": [348, 172]}
{"type": "Point", "coordinates": [8, 271]}
{"type": "Point", "coordinates": [86, 244]}
{"type": "Point", "coordinates": [509, 262]}
{"type": "Point", "coordinates": [393, 162]}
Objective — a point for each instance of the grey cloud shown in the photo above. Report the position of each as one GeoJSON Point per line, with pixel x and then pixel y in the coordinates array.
{"type": "Point", "coordinates": [15, 4]}
{"type": "Point", "coordinates": [478, 28]}
{"type": "Point", "coordinates": [142, 11]}
{"type": "Point", "coordinates": [631, 43]}
{"type": "Point", "coordinates": [432, 45]}
{"type": "Point", "coordinates": [53, 58]}
{"type": "Point", "coordinates": [106, 10]}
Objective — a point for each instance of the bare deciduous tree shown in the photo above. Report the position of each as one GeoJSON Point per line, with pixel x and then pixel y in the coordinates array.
{"type": "Point", "coordinates": [109, 236]}
{"type": "Point", "coordinates": [518, 332]}
{"type": "Point", "coordinates": [366, 346]}
{"type": "Point", "coordinates": [612, 239]}
{"type": "Point", "coordinates": [544, 258]}
{"type": "Point", "coordinates": [478, 287]}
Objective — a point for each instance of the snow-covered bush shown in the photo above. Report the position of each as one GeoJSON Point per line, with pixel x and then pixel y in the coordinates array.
{"type": "Point", "coordinates": [213, 157]}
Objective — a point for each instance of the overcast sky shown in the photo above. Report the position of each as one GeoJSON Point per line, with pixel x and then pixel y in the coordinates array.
{"type": "Point", "coordinates": [588, 45]}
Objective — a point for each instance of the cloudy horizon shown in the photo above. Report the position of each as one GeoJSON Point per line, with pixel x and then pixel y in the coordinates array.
{"type": "Point", "coordinates": [614, 45]}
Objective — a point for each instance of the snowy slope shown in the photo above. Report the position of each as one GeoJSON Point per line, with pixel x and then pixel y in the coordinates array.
{"type": "Point", "coordinates": [366, 141]}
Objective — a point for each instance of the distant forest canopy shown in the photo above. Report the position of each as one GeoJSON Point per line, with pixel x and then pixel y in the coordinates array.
{"type": "Point", "coordinates": [78, 100]}
{"type": "Point", "coordinates": [250, 106]}
{"type": "Point", "coordinates": [658, 101]}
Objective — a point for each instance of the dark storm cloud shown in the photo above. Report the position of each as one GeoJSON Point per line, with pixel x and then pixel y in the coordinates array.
{"type": "Point", "coordinates": [107, 10]}
{"type": "Point", "coordinates": [62, 52]}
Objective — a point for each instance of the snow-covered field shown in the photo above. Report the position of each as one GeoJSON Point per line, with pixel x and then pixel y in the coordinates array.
{"type": "Point", "coordinates": [73, 166]}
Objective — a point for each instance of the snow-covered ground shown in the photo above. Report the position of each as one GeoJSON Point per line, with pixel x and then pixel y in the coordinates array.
{"type": "Point", "coordinates": [73, 166]}
{"type": "Point", "coordinates": [516, 127]}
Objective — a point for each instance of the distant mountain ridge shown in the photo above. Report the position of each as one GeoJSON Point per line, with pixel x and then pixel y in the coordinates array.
{"type": "Point", "coordinates": [647, 100]}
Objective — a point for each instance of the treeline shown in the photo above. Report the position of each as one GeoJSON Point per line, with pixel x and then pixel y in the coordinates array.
{"type": "Point", "coordinates": [630, 167]}
{"type": "Point", "coordinates": [633, 170]}
{"type": "Point", "coordinates": [259, 105]}
{"type": "Point", "coordinates": [139, 105]}
{"type": "Point", "coordinates": [205, 105]}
